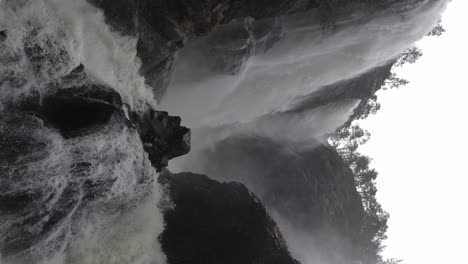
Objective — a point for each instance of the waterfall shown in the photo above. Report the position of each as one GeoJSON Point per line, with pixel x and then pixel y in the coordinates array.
{"type": "Point", "coordinates": [245, 128]}
{"type": "Point", "coordinates": [62, 220]}
{"type": "Point", "coordinates": [304, 60]}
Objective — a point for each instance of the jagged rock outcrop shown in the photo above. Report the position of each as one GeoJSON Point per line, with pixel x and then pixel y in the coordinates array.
{"type": "Point", "coordinates": [162, 135]}
{"type": "Point", "coordinates": [214, 222]}
{"type": "Point", "coordinates": [82, 109]}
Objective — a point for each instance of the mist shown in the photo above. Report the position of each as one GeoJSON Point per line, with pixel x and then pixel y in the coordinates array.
{"type": "Point", "coordinates": [245, 131]}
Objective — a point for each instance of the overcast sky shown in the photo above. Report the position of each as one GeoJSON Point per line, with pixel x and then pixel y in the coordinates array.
{"type": "Point", "coordinates": [419, 147]}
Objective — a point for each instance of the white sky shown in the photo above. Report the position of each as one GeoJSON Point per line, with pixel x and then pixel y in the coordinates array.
{"type": "Point", "coordinates": [419, 147]}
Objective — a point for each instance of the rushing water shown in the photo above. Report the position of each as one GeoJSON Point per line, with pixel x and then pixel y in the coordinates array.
{"type": "Point", "coordinates": [220, 86]}
{"type": "Point", "coordinates": [304, 60]}
{"type": "Point", "coordinates": [46, 39]}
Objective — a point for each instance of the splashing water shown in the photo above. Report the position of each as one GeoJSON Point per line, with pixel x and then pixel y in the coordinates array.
{"type": "Point", "coordinates": [46, 40]}
{"type": "Point", "coordinates": [68, 33]}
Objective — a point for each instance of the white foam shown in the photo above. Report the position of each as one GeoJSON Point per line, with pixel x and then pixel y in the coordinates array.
{"type": "Point", "coordinates": [131, 238]}
{"type": "Point", "coordinates": [107, 56]}
{"type": "Point", "coordinates": [78, 28]}
{"type": "Point", "coordinates": [70, 33]}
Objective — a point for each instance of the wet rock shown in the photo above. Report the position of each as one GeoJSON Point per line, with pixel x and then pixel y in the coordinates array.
{"type": "Point", "coordinates": [3, 35]}
{"type": "Point", "coordinates": [82, 110]}
{"type": "Point", "coordinates": [215, 222]}
{"type": "Point", "coordinates": [11, 203]}
{"type": "Point", "coordinates": [162, 135]}
{"type": "Point", "coordinates": [75, 110]}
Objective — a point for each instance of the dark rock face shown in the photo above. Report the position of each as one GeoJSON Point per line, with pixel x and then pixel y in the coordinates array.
{"type": "Point", "coordinates": [163, 137]}
{"type": "Point", "coordinates": [76, 109]}
{"type": "Point", "coordinates": [214, 223]}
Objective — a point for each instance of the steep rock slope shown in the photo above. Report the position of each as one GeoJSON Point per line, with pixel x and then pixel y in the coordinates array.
{"type": "Point", "coordinates": [213, 222]}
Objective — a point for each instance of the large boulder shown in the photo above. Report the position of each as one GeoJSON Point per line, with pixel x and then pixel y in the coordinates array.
{"type": "Point", "coordinates": [213, 222]}
{"type": "Point", "coordinates": [162, 135]}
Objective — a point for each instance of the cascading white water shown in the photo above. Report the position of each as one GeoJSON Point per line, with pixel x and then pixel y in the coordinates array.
{"type": "Point", "coordinates": [46, 40]}
{"type": "Point", "coordinates": [79, 29]}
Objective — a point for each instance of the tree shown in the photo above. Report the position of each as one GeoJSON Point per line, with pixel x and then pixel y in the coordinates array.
{"type": "Point", "coordinates": [411, 55]}
{"type": "Point", "coordinates": [390, 261]}
{"type": "Point", "coordinates": [370, 107]}
{"type": "Point", "coordinates": [346, 141]}
{"type": "Point", "coordinates": [394, 82]}
{"type": "Point", "coordinates": [438, 30]}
